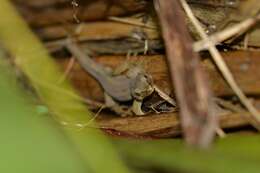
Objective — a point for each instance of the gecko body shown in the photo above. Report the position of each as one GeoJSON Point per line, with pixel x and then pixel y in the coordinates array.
{"type": "Point", "coordinates": [134, 85]}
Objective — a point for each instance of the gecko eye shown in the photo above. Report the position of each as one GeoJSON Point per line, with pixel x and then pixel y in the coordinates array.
{"type": "Point", "coordinates": [137, 92]}
{"type": "Point", "coordinates": [148, 78]}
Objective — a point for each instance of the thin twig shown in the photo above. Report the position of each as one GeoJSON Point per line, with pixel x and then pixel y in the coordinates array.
{"type": "Point", "coordinates": [220, 132]}
{"type": "Point", "coordinates": [82, 126]}
{"type": "Point", "coordinates": [223, 67]}
{"type": "Point", "coordinates": [67, 70]}
{"type": "Point", "coordinates": [165, 96]}
{"type": "Point", "coordinates": [132, 22]}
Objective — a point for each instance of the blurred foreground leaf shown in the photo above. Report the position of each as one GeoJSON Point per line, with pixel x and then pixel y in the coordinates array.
{"type": "Point", "coordinates": [236, 153]}
{"type": "Point", "coordinates": [29, 142]}
{"type": "Point", "coordinates": [33, 60]}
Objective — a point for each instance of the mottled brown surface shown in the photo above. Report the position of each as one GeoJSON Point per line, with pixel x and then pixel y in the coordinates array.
{"type": "Point", "coordinates": [160, 125]}
{"type": "Point", "coordinates": [41, 13]}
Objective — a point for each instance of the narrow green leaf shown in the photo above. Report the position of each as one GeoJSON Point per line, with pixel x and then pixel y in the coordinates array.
{"type": "Point", "coordinates": [32, 58]}
{"type": "Point", "coordinates": [236, 153]}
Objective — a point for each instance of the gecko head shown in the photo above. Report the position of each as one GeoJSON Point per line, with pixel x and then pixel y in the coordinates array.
{"type": "Point", "coordinates": [142, 86]}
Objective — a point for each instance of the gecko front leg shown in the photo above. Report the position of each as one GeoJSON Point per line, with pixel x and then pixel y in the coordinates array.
{"type": "Point", "coordinates": [137, 108]}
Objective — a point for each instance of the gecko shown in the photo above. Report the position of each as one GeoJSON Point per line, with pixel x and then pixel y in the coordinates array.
{"type": "Point", "coordinates": [134, 86]}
